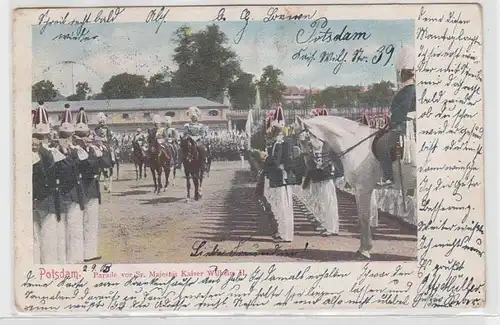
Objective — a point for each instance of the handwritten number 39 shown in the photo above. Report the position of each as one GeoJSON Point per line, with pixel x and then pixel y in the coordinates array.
{"type": "Point", "coordinates": [384, 50]}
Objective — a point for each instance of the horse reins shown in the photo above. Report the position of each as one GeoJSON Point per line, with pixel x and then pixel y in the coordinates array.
{"type": "Point", "coordinates": [343, 153]}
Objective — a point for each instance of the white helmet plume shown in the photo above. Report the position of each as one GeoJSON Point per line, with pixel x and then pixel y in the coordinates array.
{"type": "Point", "coordinates": [405, 59]}
{"type": "Point", "coordinates": [194, 111]}
{"type": "Point", "coordinates": [67, 121]}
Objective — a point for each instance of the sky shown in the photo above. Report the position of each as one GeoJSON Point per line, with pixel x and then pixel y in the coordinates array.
{"type": "Point", "coordinates": [136, 48]}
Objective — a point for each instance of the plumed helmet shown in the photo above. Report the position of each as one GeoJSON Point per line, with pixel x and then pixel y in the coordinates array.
{"type": "Point", "coordinates": [405, 59]}
{"type": "Point", "coordinates": [157, 119]}
{"type": "Point", "coordinates": [194, 111]}
{"type": "Point", "coordinates": [41, 120]}
{"type": "Point", "coordinates": [101, 117]}
{"type": "Point", "coordinates": [82, 122]}
{"type": "Point", "coordinates": [67, 121]}
{"type": "Point", "coordinates": [279, 117]}
{"type": "Point", "coordinates": [168, 120]}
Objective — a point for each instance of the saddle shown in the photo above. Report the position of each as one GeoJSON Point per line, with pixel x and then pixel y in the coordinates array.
{"type": "Point", "coordinates": [394, 150]}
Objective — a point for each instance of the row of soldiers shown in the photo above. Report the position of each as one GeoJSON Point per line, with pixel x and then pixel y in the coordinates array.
{"type": "Point", "coordinates": [66, 192]}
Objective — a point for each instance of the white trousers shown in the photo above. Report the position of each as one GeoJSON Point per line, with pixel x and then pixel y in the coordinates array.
{"type": "Point", "coordinates": [49, 234]}
{"type": "Point", "coordinates": [91, 229]}
{"type": "Point", "coordinates": [325, 206]}
{"type": "Point", "coordinates": [74, 233]}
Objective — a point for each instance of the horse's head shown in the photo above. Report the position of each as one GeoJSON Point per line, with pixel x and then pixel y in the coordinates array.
{"type": "Point", "coordinates": [310, 144]}
{"type": "Point", "coordinates": [151, 140]}
{"type": "Point", "coordinates": [189, 148]}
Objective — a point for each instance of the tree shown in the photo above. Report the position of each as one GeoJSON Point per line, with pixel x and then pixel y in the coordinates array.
{"type": "Point", "coordinates": [379, 95]}
{"type": "Point", "coordinates": [271, 86]}
{"type": "Point", "coordinates": [123, 86]}
{"type": "Point", "coordinates": [341, 97]}
{"type": "Point", "coordinates": [82, 92]}
{"type": "Point", "coordinates": [243, 92]}
{"type": "Point", "coordinates": [159, 86]}
{"type": "Point", "coordinates": [43, 91]}
{"type": "Point", "coordinates": [206, 66]}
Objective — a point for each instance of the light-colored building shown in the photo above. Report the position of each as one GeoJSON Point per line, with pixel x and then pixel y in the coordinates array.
{"type": "Point", "coordinates": [130, 114]}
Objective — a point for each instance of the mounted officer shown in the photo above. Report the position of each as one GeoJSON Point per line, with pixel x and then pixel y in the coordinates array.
{"type": "Point", "coordinates": [194, 129]}
{"type": "Point", "coordinates": [49, 229]}
{"type": "Point", "coordinates": [89, 170]}
{"type": "Point", "coordinates": [139, 137]}
{"type": "Point", "coordinates": [171, 136]}
{"type": "Point", "coordinates": [105, 134]}
{"type": "Point", "coordinates": [403, 102]}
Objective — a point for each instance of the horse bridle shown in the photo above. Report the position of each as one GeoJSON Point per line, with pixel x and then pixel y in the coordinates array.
{"type": "Point", "coordinates": [343, 153]}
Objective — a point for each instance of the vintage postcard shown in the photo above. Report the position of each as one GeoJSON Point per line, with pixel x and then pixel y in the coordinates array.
{"type": "Point", "coordinates": [248, 159]}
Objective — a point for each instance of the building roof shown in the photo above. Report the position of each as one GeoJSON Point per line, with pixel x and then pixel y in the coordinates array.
{"type": "Point", "coordinates": [137, 104]}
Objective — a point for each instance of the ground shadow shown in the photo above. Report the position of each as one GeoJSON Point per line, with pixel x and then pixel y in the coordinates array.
{"type": "Point", "coordinates": [128, 193]}
{"type": "Point", "coordinates": [122, 179]}
{"type": "Point", "coordinates": [329, 255]}
{"type": "Point", "coordinates": [244, 217]}
{"type": "Point", "coordinates": [160, 200]}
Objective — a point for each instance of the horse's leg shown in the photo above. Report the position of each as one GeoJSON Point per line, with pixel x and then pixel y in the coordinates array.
{"type": "Point", "coordinates": [110, 180]}
{"type": "Point", "coordinates": [166, 170]}
{"type": "Point", "coordinates": [136, 171]}
{"type": "Point", "coordinates": [188, 183]}
{"type": "Point", "coordinates": [117, 170]}
{"type": "Point", "coordinates": [173, 173]}
{"type": "Point", "coordinates": [200, 182]}
{"type": "Point", "coordinates": [196, 182]}
{"type": "Point", "coordinates": [154, 177]}
{"type": "Point", "coordinates": [159, 172]}
{"type": "Point", "coordinates": [363, 200]}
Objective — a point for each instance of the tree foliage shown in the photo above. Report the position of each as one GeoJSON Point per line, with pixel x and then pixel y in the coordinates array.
{"type": "Point", "coordinates": [43, 90]}
{"type": "Point", "coordinates": [378, 95]}
{"type": "Point", "coordinates": [243, 92]}
{"type": "Point", "coordinates": [159, 86]}
{"type": "Point", "coordinates": [82, 91]}
{"type": "Point", "coordinates": [123, 86]}
{"type": "Point", "coordinates": [206, 65]}
{"type": "Point", "coordinates": [271, 87]}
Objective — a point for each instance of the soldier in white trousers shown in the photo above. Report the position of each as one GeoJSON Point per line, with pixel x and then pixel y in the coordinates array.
{"type": "Point", "coordinates": [91, 188]}
{"type": "Point", "coordinates": [48, 222]}
{"type": "Point", "coordinates": [71, 189]}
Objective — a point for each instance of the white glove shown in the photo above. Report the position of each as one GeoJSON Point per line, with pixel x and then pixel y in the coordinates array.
{"type": "Point", "coordinates": [97, 151]}
{"type": "Point", "coordinates": [35, 157]}
{"type": "Point", "coordinates": [58, 156]}
{"type": "Point", "coordinates": [82, 154]}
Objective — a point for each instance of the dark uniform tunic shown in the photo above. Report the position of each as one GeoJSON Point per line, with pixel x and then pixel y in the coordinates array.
{"type": "Point", "coordinates": [403, 102]}
{"type": "Point", "coordinates": [44, 182]}
{"type": "Point", "coordinates": [89, 170]}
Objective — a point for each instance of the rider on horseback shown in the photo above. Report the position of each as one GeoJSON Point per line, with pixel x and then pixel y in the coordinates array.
{"type": "Point", "coordinates": [165, 134]}
{"type": "Point", "coordinates": [171, 135]}
{"type": "Point", "coordinates": [104, 133]}
{"type": "Point", "coordinates": [403, 102]}
{"type": "Point", "coordinates": [194, 129]}
{"type": "Point", "coordinates": [139, 137]}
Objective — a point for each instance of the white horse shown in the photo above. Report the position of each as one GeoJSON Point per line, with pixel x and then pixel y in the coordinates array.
{"type": "Point", "coordinates": [353, 142]}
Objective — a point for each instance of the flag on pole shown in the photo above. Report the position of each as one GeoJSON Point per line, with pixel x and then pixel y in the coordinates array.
{"type": "Point", "coordinates": [248, 127]}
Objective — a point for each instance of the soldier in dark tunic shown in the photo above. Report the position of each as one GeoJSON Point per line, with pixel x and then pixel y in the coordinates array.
{"type": "Point", "coordinates": [48, 223]}
{"type": "Point", "coordinates": [70, 182]}
{"type": "Point", "coordinates": [89, 170]}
